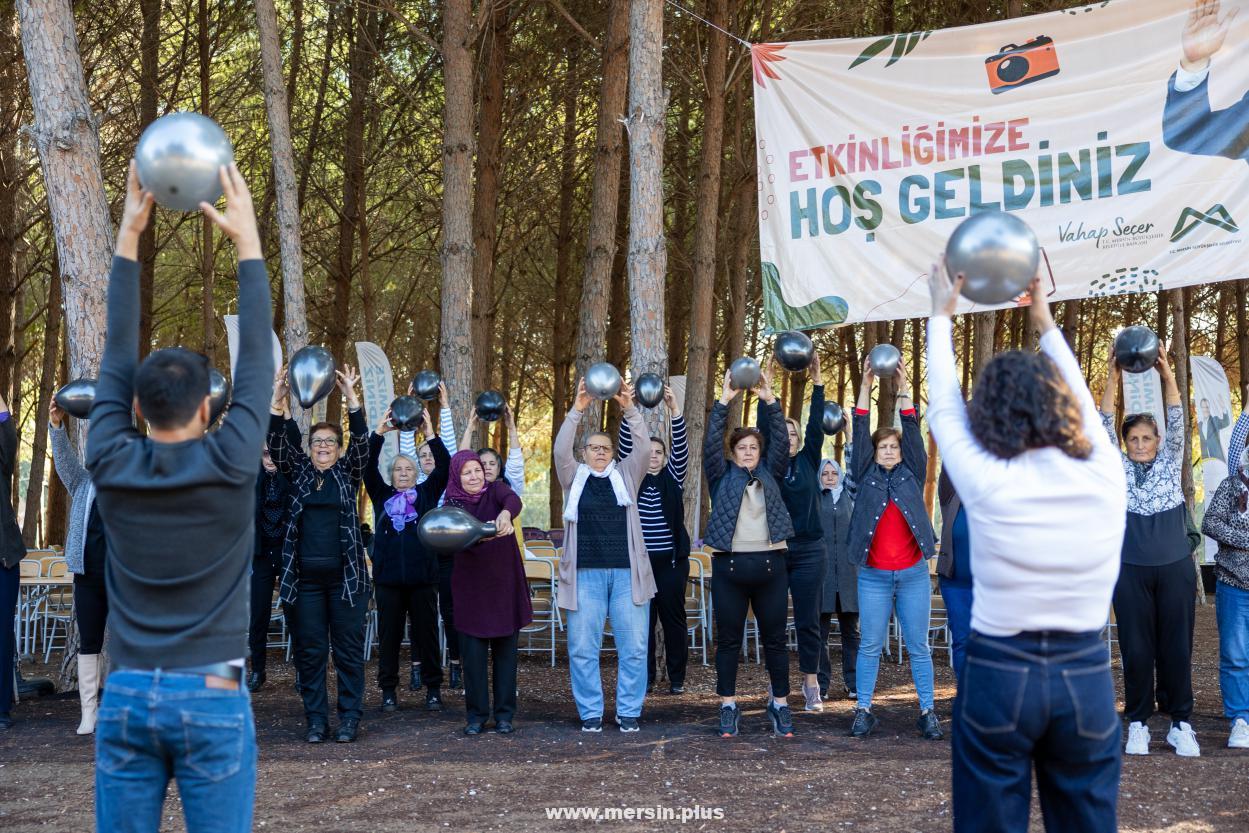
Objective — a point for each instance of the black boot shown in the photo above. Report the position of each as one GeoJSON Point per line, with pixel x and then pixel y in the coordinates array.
{"type": "Point", "coordinates": [414, 678]}
{"type": "Point", "coordinates": [317, 730]}
{"type": "Point", "coordinates": [347, 730]}
{"type": "Point", "coordinates": [390, 702]}
{"type": "Point", "coordinates": [255, 681]}
{"type": "Point", "coordinates": [457, 677]}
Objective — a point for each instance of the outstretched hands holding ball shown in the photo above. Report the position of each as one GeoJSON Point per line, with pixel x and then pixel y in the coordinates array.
{"type": "Point", "coordinates": [238, 221]}
{"type": "Point", "coordinates": [135, 215]}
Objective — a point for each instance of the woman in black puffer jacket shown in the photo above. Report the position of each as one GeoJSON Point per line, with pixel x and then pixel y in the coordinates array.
{"type": "Point", "coordinates": [405, 574]}
{"type": "Point", "coordinates": [748, 527]}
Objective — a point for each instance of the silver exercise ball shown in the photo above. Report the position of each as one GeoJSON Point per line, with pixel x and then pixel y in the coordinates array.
{"type": "Point", "coordinates": [744, 373]}
{"type": "Point", "coordinates": [179, 158]}
{"type": "Point", "coordinates": [602, 380]}
{"type": "Point", "coordinates": [997, 253]}
{"type": "Point", "coordinates": [884, 359]}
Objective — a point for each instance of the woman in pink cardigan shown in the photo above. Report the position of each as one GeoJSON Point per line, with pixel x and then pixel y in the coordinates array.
{"type": "Point", "coordinates": [605, 571]}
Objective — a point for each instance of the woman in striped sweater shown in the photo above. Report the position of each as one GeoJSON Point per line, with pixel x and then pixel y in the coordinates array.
{"type": "Point", "coordinates": [662, 511]}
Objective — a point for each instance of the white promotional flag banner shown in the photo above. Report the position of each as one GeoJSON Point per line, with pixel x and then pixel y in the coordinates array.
{"type": "Point", "coordinates": [378, 384]}
{"type": "Point", "coordinates": [872, 151]}
{"type": "Point", "coordinates": [1212, 398]}
{"type": "Point", "coordinates": [232, 341]}
{"type": "Point", "coordinates": [1142, 394]}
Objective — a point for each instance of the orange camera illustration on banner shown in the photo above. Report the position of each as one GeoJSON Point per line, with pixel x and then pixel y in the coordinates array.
{"type": "Point", "coordinates": [1015, 65]}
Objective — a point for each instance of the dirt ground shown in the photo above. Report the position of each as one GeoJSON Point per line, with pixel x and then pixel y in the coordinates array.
{"type": "Point", "coordinates": [414, 770]}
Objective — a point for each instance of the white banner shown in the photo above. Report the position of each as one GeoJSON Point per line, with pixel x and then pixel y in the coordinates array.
{"type": "Point", "coordinates": [1142, 394]}
{"type": "Point", "coordinates": [232, 340]}
{"type": "Point", "coordinates": [378, 384]}
{"type": "Point", "coordinates": [871, 151]}
{"type": "Point", "coordinates": [1212, 399]}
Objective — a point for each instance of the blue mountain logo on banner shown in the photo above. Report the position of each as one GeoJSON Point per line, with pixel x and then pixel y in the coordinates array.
{"type": "Point", "coordinates": [1216, 215]}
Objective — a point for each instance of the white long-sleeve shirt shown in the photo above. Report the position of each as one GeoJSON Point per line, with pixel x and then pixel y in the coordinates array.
{"type": "Point", "coordinates": [1046, 529]}
{"type": "Point", "coordinates": [446, 433]}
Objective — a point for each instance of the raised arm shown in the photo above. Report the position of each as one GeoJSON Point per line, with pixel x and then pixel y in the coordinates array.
{"type": "Point", "coordinates": [446, 424]}
{"type": "Point", "coordinates": [562, 450]}
{"type": "Point", "coordinates": [679, 454]}
{"type": "Point", "coordinates": [65, 457]}
{"type": "Point", "coordinates": [111, 426]}
{"type": "Point", "coordinates": [374, 483]}
{"type": "Point", "coordinates": [436, 483]}
{"type": "Point", "coordinates": [778, 438]}
{"type": "Point", "coordinates": [813, 442]}
{"type": "Point", "coordinates": [356, 457]}
{"type": "Point", "coordinates": [514, 468]}
{"type": "Point", "coordinates": [624, 440]}
{"type": "Point", "coordinates": [961, 455]}
{"type": "Point", "coordinates": [284, 447]}
{"type": "Point", "coordinates": [714, 464]}
{"type": "Point", "coordinates": [638, 461]}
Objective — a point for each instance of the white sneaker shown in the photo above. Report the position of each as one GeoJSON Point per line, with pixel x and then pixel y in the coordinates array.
{"type": "Point", "coordinates": [1184, 739]}
{"type": "Point", "coordinates": [1239, 738]}
{"type": "Point", "coordinates": [1138, 739]}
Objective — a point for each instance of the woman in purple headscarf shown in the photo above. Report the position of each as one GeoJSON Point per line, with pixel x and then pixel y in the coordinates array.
{"type": "Point", "coordinates": [405, 574]}
{"type": "Point", "coordinates": [490, 593]}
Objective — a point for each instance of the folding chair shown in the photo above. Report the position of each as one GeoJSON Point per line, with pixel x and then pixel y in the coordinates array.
{"type": "Point", "coordinates": [540, 575]}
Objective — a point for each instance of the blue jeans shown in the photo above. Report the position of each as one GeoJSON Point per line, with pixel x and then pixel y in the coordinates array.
{"type": "Point", "coordinates": [1043, 699]}
{"type": "Point", "coordinates": [880, 593]}
{"type": "Point", "coordinates": [602, 594]}
{"type": "Point", "coordinates": [1231, 606]}
{"type": "Point", "coordinates": [957, 597]}
{"type": "Point", "coordinates": [156, 725]}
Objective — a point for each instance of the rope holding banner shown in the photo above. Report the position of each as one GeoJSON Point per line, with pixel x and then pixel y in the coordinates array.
{"type": "Point", "coordinates": [681, 8]}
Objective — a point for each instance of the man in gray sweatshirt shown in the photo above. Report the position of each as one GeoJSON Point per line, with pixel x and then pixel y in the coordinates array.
{"type": "Point", "coordinates": [177, 507]}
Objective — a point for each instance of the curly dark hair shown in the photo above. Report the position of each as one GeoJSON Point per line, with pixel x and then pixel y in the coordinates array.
{"type": "Point", "coordinates": [1022, 402]}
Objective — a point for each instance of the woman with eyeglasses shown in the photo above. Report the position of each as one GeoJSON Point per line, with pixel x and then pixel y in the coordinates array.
{"type": "Point", "coordinates": [604, 572]}
{"type": "Point", "coordinates": [1155, 596]}
{"type": "Point", "coordinates": [405, 573]}
{"type": "Point", "coordinates": [323, 570]}
{"type": "Point", "coordinates": [748, 530]}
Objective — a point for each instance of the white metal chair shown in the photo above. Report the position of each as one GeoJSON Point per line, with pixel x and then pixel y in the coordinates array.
{"type": "Point", "coordinates": [540, 575]}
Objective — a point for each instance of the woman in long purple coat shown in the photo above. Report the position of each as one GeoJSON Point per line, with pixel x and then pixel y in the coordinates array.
{"type": "Point", "coordinates": [490, 594]}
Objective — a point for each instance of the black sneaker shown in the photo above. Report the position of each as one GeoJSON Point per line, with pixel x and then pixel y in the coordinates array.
{"type": "Point", "coordinates": [503, 727]}
{"type": "Point", "coordinates": [472, 729]}
{"type": "Point", "coordinates": [929, 725]}
{"type": "Point", "coordinates": [594, 724]}
{"type": "Point", "coordinates": [390, 702]}
{"type": "Point", "coordinates": [728, 721]}
{"type": "Point", "coordinates": [414, 677]}
{"type": "Point", "coordinates": [628, 724]}
{"type": "Point", "coordinates": [864, 723]}
{"type": "Point", "coordinates": [433, 700]}
{"type": "Point", "coordinates": [676, 688]}
{"type": "Point", "coordinates": [457, 677]}
{"type": "Point", "coordinates": [255, 681]}
{"type": "Point", "coordinates": [347, 730]}
{"type": "Point", "coordinates": [782, 720]}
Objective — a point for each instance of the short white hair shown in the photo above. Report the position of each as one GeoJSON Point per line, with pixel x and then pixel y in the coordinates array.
{"type": "Point", "coordinates": [399, 457]}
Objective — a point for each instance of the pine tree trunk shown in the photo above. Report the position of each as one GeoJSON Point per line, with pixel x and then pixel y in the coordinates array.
{"type": "Point", "coordinates": [648, 255]}
{"type": "Point", "coordinates": [456, 352]}
{"type": "Point", "coordinates": [207, 260]}
{"type": "Point", "coordinates": [65, 135]}
{"type": "Point", "coordinates": [39, 448]}
{"type": "Point", "coordinates": [286, 185]}
{"type": "Point", "coordinates": [149, 63]}
{"type": "Point", "coordinates": [486, 195]}
{"type": "Point", "coordinates": [361, 68]}
{"type": "Point", "coordinates": [707, 198]}
{"type": "Point", "coordinates": [10, 185]}
{"type": "Point", "coordinates": [601, 239]}
{"type": "Point", "coordinates": [561, 333]}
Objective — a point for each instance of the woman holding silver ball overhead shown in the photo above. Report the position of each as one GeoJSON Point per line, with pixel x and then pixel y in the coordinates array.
{"type": "Point", "coordinates": [323, 570]}
{"type": "Point", "coordinates": [405, 573]}
{"type": "Point", "coordinates": [891, 539]}
{"type": "Point", "coordinates": [1155, 595]}
{"type": "Point", "coordinates": [748, 528]}
{"type": "Point", "coordinates": [662, 511]}
{"type": "Point", "coordinates": [805, 556]}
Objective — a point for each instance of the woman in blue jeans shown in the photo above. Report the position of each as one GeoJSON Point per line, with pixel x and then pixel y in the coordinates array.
{"type": "Point", "coordinates": [605, 572]}
{"type": "Point", "coordinates": [891, 539]}
{"type": "Point", "coordinates": [954, 570]}
{"type": "Point", "coordinates": [1042, 489]}
{"type": "Point", "coordinates": [1227, 522]}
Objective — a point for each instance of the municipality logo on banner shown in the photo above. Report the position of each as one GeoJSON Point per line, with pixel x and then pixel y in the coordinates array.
{"type": "Point", "coordinates": [1190, 218]}
{"type": "Point", "coordinates": [1129, 168]}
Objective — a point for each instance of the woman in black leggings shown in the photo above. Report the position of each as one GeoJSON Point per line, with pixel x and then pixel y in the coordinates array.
{"type": "Point", "coordinates": [85, 553]}
{"type": "Point", "coordinates": [748, 528]}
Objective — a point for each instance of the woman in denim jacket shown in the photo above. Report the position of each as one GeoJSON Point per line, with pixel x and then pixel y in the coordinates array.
{"type": "Point", "coordinates": [891, 539]}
